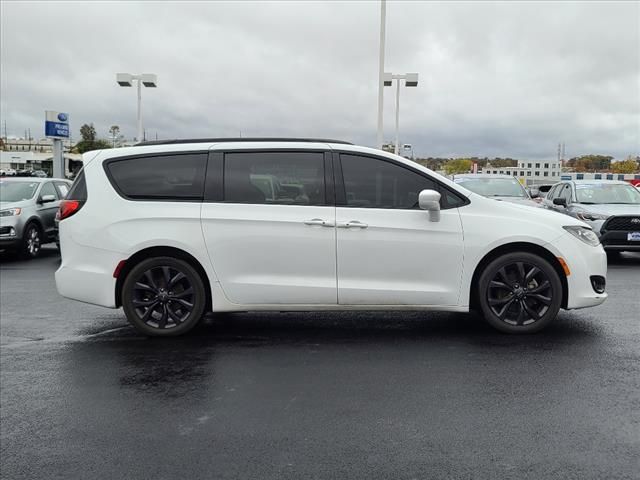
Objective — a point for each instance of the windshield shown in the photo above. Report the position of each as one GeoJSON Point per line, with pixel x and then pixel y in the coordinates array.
{"type": "Point", "coordinates": [17, 191]}
{"type": "Point", "coordinates": [493, 187]}
{"type": "Point", "coordinates": [607, 193]}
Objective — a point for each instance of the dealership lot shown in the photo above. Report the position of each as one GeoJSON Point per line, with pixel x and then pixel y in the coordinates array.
{"type": "Point", "coordinates": [321, 395]}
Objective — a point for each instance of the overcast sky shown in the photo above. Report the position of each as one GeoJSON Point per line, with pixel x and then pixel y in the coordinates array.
{"type": "Point", "coordinates": [509, 79]}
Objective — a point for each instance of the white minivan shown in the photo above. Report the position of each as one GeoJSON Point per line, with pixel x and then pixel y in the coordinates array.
{"type": "Point", "coordinates": [171, 230]}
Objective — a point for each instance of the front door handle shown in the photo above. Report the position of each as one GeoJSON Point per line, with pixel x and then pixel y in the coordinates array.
{"type": "Point", "coordinates": [319, 221]}
{"type": "Point", "coordinates": [351, 224]}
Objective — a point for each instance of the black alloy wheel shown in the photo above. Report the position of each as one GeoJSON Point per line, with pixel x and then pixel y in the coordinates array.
{"type": "Point", "coordinates": [163, 296]}
{"type": "Point", "coordinates": [520, 293]}
{"type": "Point", "coordinates": [31, 242]}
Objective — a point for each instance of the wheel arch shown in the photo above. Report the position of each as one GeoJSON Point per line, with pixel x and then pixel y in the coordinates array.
{"type": "Point", "coordinates": [517, 247]}
{"type": "Point", "coordinates": [37, 221]}
{"type": "Point", "coordinates": [162, 251]}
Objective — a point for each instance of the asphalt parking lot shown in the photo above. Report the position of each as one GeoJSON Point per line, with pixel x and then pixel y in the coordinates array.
{"type": "Point", "coordinates": [323, 395]}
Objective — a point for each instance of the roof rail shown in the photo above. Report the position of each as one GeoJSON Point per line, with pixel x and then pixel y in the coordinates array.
{"type": "Point", "coordinates": [240, 139]}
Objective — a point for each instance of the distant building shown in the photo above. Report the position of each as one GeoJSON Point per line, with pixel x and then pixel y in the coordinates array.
{"type": "Point", "coordinates": [530, 172]}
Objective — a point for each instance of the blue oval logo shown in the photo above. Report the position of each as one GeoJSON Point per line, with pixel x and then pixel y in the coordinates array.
{"type": "Point", "coordinates": [62, 117]}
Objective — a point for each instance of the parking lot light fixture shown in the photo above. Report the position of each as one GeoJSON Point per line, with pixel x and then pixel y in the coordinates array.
{"type": "Point", "coordinates": [410, 80]}
{"type": "Point", "coordinates": [149, 80]}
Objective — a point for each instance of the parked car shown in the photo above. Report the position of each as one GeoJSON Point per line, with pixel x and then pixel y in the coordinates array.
{"type": "Point", "coordinates": [39, 174]}
{"type": "Point", "coordinates": [27, 211]}
{"type": "Point", "coordinates": [169, 230]}
{"type": "Point", "coordinates": [498, 187]}
{"type": "Point", "coordinates": [9, 172]}
{"type": "Point", "coordinates": [538, 192]}
{"type": "Point", "coordinates": [611, 208]}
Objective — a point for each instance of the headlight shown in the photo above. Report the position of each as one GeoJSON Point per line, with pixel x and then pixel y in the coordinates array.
{"type": "Point", "coordinates": [588, 216]}
{"type": "Point", "coordinates": [585, 234]}
{"type": "Point", "coordinates": [10, 212]}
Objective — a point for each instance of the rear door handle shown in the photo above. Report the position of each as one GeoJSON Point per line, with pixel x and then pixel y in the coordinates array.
{"type": "Point", "coordinates": [352, 224]}
{"type": "Point", "coordinates": [319, 221]}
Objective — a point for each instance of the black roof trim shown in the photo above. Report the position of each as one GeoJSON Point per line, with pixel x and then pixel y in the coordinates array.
{"type": "Point", "coordinates": [240, 139]}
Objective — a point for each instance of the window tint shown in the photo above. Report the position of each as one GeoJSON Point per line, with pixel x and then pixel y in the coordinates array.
{"type": "Point", "coordinates": [177, 176]}
{"type": "Point", "coordinates": [78, 189]}
{"type": "Point", "coordinates": [373, 183]}
{"type": "Point", "coordinates": [278, 178]}
{"type": "Point", "coordinates": [48, 189]}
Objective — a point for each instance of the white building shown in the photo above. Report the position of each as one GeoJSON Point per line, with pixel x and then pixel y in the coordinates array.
{"type": "Point", "coordinates": [530, 172]}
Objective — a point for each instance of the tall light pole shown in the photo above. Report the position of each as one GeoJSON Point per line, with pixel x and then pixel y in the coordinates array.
{"type": "Point", "coordinates": [146, 79]}
{"type": "Point", "coordinates": [383, 16]}
{"type": "Point", "coordinates": [410, 80]}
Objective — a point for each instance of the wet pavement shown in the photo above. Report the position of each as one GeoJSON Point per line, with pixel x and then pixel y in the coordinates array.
{"type": "Point", "coordinates": [322, 395]}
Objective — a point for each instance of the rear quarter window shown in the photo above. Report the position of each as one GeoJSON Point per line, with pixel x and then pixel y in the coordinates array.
{"type": "Point", "coordinates": [159, 177]}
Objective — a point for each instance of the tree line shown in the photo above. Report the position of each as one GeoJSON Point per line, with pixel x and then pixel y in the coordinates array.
{"type": "Point", "coordinates": [584, 163]}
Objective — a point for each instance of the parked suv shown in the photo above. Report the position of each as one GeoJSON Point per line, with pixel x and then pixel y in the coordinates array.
{"type": "Point", "coordinates": [28, 208]}
{"type": "Point", "coordinates": [611, 208]}
{"type": "Point", "coordinates": [170, 230]}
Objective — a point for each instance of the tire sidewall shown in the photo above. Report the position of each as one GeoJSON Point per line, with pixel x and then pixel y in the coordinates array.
{"type": "Point", "coordinates": [196, 283]}
{"type": "Point", "coordinates": [489, 273]}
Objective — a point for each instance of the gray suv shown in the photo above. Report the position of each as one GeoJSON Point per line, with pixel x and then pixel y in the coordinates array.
{"type": "Point", "coordinates": [611, 208]}
{"type": "Point", "coordinates": [28, 208]}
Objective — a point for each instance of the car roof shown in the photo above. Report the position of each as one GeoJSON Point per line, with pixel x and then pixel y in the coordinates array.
{"type": "Point", "coordinates": [590, 182]}
{"type": "Point", "coordinates": [482, 175]}
{"type": "Point", "coordinates": [239, 139]}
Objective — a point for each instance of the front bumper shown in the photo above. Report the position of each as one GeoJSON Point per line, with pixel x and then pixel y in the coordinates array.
{"type": "Point", "coordinates": [11, 231]}
{"type": "Point", "coordinates": [584, 262]}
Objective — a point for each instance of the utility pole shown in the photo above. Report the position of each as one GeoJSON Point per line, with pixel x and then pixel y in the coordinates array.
{"type": "Point", "coordinates": [383, 17]}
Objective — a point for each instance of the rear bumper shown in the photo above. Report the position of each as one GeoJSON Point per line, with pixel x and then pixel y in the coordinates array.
{"type": "Point", "coordinates": [86, 274]}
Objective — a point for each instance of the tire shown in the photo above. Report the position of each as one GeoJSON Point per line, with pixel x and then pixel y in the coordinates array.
{"type": "Point", "coordinates": [519, 293]}
{"type": "Point", "coordinates": [163, 297]}
{"type": "Point", "coordinates": [31, 241]}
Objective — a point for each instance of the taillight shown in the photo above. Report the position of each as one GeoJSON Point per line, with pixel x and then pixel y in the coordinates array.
{"type": "Point", "coordinates": [68, 208]}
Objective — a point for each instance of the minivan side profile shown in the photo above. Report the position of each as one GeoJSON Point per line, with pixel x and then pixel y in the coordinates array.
{"type": "Point", "coordinates": [171, 230]}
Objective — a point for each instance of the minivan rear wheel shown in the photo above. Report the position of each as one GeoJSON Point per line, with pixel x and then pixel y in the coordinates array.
{"type": "Point", "coordinates": [520, 293]}
{"type": "Point", "coordinates": [163, 296]}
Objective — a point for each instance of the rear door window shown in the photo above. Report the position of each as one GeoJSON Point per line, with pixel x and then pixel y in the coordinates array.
{"type": "Point", "coordinates": [276, 178]}
{"type": "Point", "coordinates": [159, 177]}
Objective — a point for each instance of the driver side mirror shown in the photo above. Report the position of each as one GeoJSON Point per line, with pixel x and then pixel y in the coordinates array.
{"type": "Point", "coordinates": [47, 198]}
{"type": "Point", "coordinates": [560, 201]}
{"type": "Point", "coordinates": [430, 200]}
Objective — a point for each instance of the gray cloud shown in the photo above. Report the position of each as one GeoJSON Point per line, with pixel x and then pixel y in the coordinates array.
{"type": "Point", "coordinates": [497, 79]}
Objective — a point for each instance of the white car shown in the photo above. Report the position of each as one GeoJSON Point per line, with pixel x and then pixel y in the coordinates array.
{"type": "Point", "coordinates": [171, 230]}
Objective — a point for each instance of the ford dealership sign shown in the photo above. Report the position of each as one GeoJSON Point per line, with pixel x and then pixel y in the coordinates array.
{"type": "Point", "coordinates": [56, 124]}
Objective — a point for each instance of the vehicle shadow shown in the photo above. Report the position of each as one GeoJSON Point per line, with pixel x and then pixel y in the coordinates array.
{"type": "Point", "coordinates": [11, 257]}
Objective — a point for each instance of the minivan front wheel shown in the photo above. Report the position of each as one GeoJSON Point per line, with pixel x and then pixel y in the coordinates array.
{"type": "Point", "coordinates": [520, 293]}
{"type": "Point", "coordinates": [163, 296]}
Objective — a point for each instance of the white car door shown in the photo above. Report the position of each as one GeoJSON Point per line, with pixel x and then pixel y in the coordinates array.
{"type": "Point", "coordinates": [270, 234]}
{"type": "Point", "coordinates": [389, 252]}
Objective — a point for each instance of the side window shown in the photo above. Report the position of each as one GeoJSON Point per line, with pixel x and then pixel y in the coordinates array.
{"type": "Point", "coordinates": [177, 177]}
{"type": "Point", "coordinates": [275, 178]}
{"type": "Point", "coordinates": [555, 192]}
{"type": "Point", "coordinates": [374, 183]}
{"type": "Point", "coordinates": [63, 189]}
{"type": "Point", "coordinates": [48, 189]}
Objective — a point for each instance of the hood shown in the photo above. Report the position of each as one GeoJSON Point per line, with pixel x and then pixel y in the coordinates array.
{"type": "Point", "coordinates": [609, 208]}
{"type": "Point", "coordinates": [518, 201]}
{"type": "Point", "coordinates": [20, 204]}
